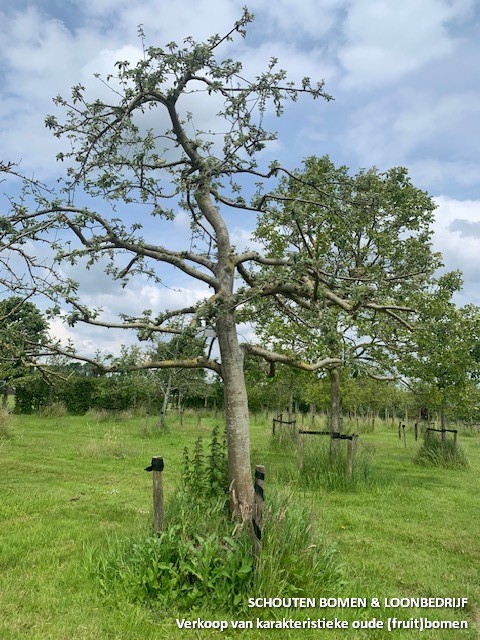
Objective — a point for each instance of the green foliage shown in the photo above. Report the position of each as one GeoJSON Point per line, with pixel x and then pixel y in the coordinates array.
{"type": "Point", "coordinates": [443, 359]}
{"type": "Point", "coordinates": [294, 557]}
{"type": "Point", "coordinates": [80, 393]}
{"type": "Point", "coordinates": [22, 328]}
{"type": "Point", "coordinates": [204, 561]}
{"type": "Point", "coordinates": [364, 237]}
{"type": "Point", "coordinates": [205, 475]}
{"type": "Point", "coordinates": [198, 562]}
{"type": "Point", "coordinates": [31, 393]}
{"type": "Point", "coordinates": [436, 452]}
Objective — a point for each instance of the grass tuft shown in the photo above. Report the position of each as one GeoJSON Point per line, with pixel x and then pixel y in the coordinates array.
{"type": "Point", "coordinates": [326, 468]}
{"type": "Point", "coordinates": [5, 424]}
{"type": "Point", "coordinates": [203, 561]}
{"type": "Point", "coordinates": [436, 452]}
{"type": "Point", "coordinates": [112, 445]}
{"type": "Point", "coordinates": [53, 410]}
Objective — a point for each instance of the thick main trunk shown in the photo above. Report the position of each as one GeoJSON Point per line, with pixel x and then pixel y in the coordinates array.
{"type": "Point", "coordinates": [236, 402]}
{"type": "Point", "coordinates": [335, 409]}
{"type": "Point", "coordinates": [237, 417]}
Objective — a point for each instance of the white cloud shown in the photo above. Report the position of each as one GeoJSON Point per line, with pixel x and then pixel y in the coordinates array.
{"type": "Point", "coordinates": [384, 41]}
{"type": "Point", "coordinates": [295, 20]}
{"type": "Point", "coordinates": [459, 251]}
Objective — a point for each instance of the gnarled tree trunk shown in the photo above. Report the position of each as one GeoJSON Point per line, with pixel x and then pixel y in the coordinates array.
{"type": "Point", "coordinates": [237, 417]}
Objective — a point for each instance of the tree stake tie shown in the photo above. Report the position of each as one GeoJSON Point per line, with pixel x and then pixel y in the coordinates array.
{"type": "Point", "coordinates": [156, 465]}
{"type": "Point", "coordinates": [157, 468]}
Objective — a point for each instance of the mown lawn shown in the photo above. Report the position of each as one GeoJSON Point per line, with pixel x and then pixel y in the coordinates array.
{"type": "Point", "coordinates": [72, 486]}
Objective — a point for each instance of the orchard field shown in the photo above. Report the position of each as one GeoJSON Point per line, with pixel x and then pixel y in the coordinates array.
{"type": "Point", "coordinates": [74, 487]}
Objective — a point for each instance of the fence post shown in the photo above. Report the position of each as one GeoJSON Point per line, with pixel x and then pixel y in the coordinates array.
{"type": "Point", "coordinates": [416, 431]}
{"type": "Point", "coordinates": [157, 468]}
{"type": "Point", "coordinates": [300, 452]}
{"type": "Point", "coordinates": [350, 457]}
{"type": "Point", "coordinates": [257, 520]}
{"type": "Point", "coordinates": [404, 436]}
{"type": "Point", "coordinates": [455, 434]}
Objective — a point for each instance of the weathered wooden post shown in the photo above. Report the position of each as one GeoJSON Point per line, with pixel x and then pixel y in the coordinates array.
{"type": "Point", "coordinates": [158, 511]}
{"type": "Point", "coordinates": [416, 431]}
{"type": "Point", "coordinates": [300, 451]}
{"type": "Point", "coordinates": [257, 520]}
{"type": "Point", "coordinates": [350, 457]}
{"type": "Point", "coordinates": [400, 430]}
{"type": "Point", "coordinates": [404, 436]}
{"type": "Point", "coordinates": [455, 442]}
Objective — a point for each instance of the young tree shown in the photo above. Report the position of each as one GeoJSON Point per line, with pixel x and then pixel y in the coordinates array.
{"type": "Point", "coordinates": [178, 381]}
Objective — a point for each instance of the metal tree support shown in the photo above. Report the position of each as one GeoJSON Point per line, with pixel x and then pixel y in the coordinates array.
{"type": "Point", "coordinates": [257, 520]}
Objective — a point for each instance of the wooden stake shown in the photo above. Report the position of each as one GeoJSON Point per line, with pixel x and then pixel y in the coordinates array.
{"type": "Point", "coordinates": [300, 452]}
{"type": "Point", "coordinates": [349, 458]}
{"type": "Point", "coordinates": [158, 511]}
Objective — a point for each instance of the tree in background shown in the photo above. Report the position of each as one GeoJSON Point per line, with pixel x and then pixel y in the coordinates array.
{"type": "Point", "coordinates": [23, 328]}
{"type": "Point", "coordinates": [444, 357]}
{"type": "Point", "coordinates": [362, 242]}
{"type": "Point", "coordinates": [178, 382]}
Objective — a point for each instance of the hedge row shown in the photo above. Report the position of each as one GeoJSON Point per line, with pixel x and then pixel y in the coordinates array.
{"type": "Point", "coordinates": [80, 394]}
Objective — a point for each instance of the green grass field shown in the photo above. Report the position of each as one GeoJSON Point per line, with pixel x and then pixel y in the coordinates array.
{"type": "Point", "coordinates": [71, 487]}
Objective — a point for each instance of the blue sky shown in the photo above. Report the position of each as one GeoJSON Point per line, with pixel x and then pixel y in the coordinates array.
{"type": "Point", "coordinates": [404, 76]}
